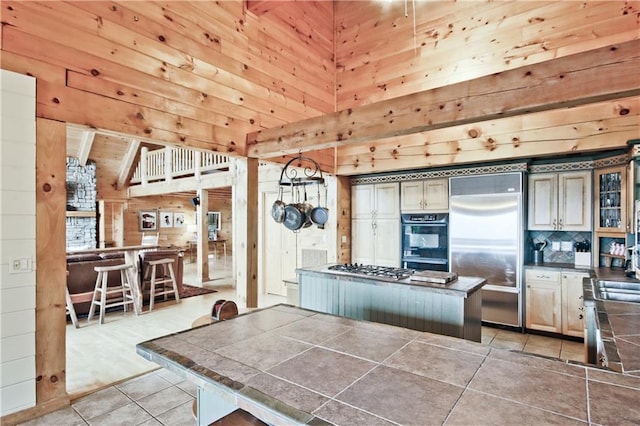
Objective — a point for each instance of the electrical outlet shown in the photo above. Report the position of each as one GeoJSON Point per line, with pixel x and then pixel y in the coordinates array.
{"type": "Point", "coordinates": [555, 246]}
{"type": "Point", "coordinates": [566, 246]}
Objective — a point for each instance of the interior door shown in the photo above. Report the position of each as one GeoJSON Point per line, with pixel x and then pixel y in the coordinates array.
{"type": "Point", "coordinates": [278, 251]}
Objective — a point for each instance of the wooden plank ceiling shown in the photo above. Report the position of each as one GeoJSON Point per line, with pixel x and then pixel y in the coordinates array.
{"type": "Point", "coordinates": [207, 74]}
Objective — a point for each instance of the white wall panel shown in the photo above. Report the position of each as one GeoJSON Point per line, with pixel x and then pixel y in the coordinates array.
{"type": "Point", "coordinates": [17, 299]}
{"type": "Point", "coordinates": [15, 347]}
{"type": "Point", "coordinates": [17, 240]}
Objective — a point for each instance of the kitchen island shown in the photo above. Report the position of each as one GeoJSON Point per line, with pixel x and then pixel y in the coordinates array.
{"type": "Point", "coordinates": [453, 309]}
{"type": "Point", "coordinates": [288, 365]}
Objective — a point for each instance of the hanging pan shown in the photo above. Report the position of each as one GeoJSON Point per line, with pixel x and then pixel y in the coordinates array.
{"type": "Point", "coordinates": [319, 215]}
{"type": "Point", "coordinates": [278, 208]}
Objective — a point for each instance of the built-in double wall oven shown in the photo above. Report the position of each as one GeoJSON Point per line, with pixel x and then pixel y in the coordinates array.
{"type": "Point", "coordinates": [425, 241]}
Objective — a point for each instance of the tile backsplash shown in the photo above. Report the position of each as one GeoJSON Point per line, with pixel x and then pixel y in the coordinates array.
{"type": "Point", "coordinates": [550, 254]}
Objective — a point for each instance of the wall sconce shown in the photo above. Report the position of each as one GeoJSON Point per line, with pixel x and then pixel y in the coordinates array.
{"type": "Point", "coordinates": [195, 201]}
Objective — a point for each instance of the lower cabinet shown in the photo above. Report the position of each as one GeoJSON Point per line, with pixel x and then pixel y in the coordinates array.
{"type": "Point", "coordinates": [572, 306]}
{"type": "Point", "coordinates": [554, 301]}
{"type": "Point", "coordinates": [544, 296]}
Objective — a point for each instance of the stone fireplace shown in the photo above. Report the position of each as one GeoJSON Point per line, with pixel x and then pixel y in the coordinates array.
{"type": "Point", "coordinates": [81, 205]}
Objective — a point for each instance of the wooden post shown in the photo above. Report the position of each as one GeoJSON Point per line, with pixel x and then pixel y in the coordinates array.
{"type": "Point", "coordinates": [144, 153]}
{"type": "Point", "coordinates": [51, 197]}
{"type": "Point", "coordinates": [168, 163]}
{"type": "Point", "coordinates": [197, 160]}
{"type": "Point", "coordinates": [343, 219]}
{"type": "Point", "coordinates": [203, 236]}
{"type": "Point", "coordinates": [245, 212]}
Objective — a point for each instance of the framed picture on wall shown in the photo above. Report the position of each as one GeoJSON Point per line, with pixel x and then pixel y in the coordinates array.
{"type": "Point", "coordinates": [148, 220]}
{"type": "Point", "coordinates": [166, 219]}
{"type": "Point", "coordinates": [178, 220]}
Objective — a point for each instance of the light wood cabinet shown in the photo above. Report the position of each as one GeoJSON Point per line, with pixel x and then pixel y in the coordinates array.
{"type": "Point", "coordinates": [544, 296]}
{"type": "Point", "coordinates": [572, 304]}
{"type": "Point", "coordinates": [611, 205]}
{"type": "Point", "coordinates": [554, 301]}
{"type": "Point", "coordinates": [375, 225]}
{"type": "Point", "coordinates": [560, 201]}
{"type": "Point", "coordinates": [431, 195]}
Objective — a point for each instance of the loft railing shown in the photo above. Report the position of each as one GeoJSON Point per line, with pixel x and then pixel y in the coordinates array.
{"type": "Point", "coordinates": [173, 162]}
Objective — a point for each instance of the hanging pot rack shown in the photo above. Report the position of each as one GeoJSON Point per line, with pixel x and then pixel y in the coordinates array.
{"type": "Point", "coordinates": [305, 172]}
{"type": "Point", "coordinates": [298, 173]}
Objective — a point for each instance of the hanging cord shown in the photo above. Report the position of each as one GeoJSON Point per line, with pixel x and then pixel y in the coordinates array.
{"type": "Point", "coordinates": [415, 42]}
{"type": "Point", "coordinates": [406, 15]}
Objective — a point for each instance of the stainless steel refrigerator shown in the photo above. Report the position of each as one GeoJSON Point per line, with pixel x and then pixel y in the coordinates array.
{"type": "Point", "coordinates": [485, 240]}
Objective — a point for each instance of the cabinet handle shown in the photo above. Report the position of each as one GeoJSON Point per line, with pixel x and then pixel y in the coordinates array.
{"type": "Point", "coordinates": [580, 316]}
{"type": "Point", "coordinates": [555, 224]}
{"type": "Point", "coordinates": [560, 224]}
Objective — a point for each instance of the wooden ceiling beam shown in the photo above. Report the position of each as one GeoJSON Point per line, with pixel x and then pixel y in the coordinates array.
{"type": "Point", "coordinates": [594, 76]}
{"type": "Point", "coordinates": [127, 163]}
{"type": "Point", "coordinates": [86, 142]}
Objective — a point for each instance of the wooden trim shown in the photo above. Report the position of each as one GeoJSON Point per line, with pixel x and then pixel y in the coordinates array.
{"type": "Point", "coordinates": [594, 76]}
{"type": "Point", "coordinates": [80, 214]}
{"type": "Point", "coordinates": [51, 142]}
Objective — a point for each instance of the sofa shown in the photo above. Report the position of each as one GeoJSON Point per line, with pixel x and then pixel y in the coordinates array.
{"type": "Point", "coordinates": [81, 275]}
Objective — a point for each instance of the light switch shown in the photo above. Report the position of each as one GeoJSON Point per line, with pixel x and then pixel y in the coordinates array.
{"type": "Point", "coordinates": [19, 265]}
{"type": "Point", "coordinates": [555, 246]}
{"type": "Point", "coordinates": [567, 246]}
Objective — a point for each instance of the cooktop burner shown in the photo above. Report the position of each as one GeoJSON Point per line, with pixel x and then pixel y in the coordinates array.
{"type": "Point", "coordinates": [373, 270]}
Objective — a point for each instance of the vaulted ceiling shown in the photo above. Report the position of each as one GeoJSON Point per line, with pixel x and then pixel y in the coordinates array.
{"type": "Point", "coordinates": [207, 74]}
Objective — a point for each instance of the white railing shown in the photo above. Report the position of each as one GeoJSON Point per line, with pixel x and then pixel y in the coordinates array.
{"type": "Point", "coordinates": [171, 162]}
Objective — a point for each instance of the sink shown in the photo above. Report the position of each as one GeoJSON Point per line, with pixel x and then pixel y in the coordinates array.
{"type": "Point", "coordinates": [620, 291]}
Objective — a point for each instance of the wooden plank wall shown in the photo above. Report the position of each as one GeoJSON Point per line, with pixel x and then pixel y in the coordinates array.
{"type": "Point", "coordinates": [380, 57]}
{"type": "Point", "coordinates": [173, 236]}
{"type": "Point", "coordinates": [190, 73]}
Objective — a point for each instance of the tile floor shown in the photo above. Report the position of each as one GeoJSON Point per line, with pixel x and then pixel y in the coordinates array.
{"type": "Point", "coordinates": [162, 398]}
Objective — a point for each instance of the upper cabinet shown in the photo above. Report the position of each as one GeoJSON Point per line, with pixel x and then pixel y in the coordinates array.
{"type": "Point", "coordinates": [560, 201]}
{"type": "Point", "coordinates": [431, 195]}
{"type": "Point", "coordinates": [611, 207]}
{"type": "Point", "coordinates": [375, 224]}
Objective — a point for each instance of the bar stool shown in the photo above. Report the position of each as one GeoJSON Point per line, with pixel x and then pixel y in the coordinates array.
{"type": "Point", "coordinates": [124, 289]}
{"type": "Point", "coordinates": [71, 310]}
{"type": "Point", "coordinates": [159, 284]}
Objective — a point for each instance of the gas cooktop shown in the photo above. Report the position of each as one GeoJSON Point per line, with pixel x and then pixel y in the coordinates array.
{"type": "Point", "coordinates": [373, 271]}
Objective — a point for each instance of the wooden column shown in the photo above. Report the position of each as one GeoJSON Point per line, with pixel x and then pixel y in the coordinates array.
{"type": "Point", "coordinates": [51, 277]}
{"type": "Point", "coordinates": [245, 213]}
{"type": "Point", "coordinates": [203, 235]}
{"type": "Point", "coordinates": [343, 218]}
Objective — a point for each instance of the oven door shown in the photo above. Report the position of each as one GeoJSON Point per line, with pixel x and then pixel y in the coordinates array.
{"type": "Point", "coordinates": [425, 246]}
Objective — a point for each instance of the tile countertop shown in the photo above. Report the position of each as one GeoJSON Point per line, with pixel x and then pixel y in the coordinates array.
{"type": "Point", "coordinates": [619, 321]}
{"type": "Point", "coordinates": [291, 365]}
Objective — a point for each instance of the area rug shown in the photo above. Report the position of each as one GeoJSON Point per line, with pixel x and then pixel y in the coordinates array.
{"type": "Point", "coordinates": [190, 291]}
{"type": "Point", "coordinates": [187, 291]}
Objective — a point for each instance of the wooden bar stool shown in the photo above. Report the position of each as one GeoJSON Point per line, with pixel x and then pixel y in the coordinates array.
{"type": "Point", "coordinates": [71, 310]}
{"type": "Point", "coordinates": [126, 293]}
{"type": "Point", "coordinates": [162, 284]}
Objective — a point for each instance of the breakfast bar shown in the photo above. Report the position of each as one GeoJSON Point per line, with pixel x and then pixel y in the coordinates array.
{"type": "Point", "coordinates": [288, 365]}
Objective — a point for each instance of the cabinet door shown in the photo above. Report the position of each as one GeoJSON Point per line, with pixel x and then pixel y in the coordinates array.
{"type": "Point", "coordinates": [611, 199]}
{"type": "Point", "coordinates": [543, 306]}
{"type": "Point", "coordinates": [387, 242]}
{"type": "Point", "coordinates": [436, 195]}
{"type": "Point", "coordinates": [572, 306]}
{"type": "Point", "coordinates": [574, 201]}
{"type": "Point", "coordinates": [543, 201]}
{"type": "Point", "coordinates": [278, 245]}
{"type": "Point", "coordinates": [387, 201]}
{"type": "Point", "coordinates": [362, 241]}
{"type": "Point", "coordinates": [412, 196]}
{"type": "Point", "coordinates": [362, 201]}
